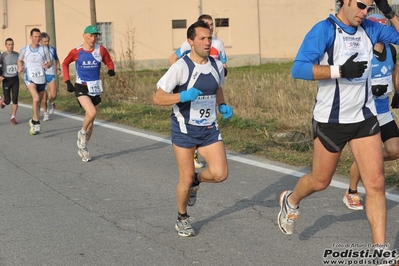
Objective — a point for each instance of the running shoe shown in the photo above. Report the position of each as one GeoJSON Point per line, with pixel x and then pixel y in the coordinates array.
{"type": "Point", "coordinates": [46, 117]}
{"type": "Point", "coordinates": [197, 163]}
{"type": "Point", "coordinates": [286, 217]}
{"type": "Point", "coordinates": [184, 228]}
{"type": "Point", "coordinates": [14, 121]}
{"type": "Point", "coordinates": [37, 128]}
{"type": "Point", "coordinates": [32, 130]}
{"type": "Point", "coordinates": [81, 140]}
{"type": "Point", "coordinates": [353, 201]}
{"type": "Point", "coordinates": [84, 154]}
{"type": "Point", "coordinates": [193, 193]}
{"type": "Point", "coordinates": [2, 104]}
{"type": "Point", "coordinates": [50, 107]}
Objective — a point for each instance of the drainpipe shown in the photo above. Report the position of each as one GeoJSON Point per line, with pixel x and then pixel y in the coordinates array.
{"type": "Point", "coordinates": [5, 15]}
{"type": "Point", "coordinates": [200, 7]}
{"type": "Point", "coordinates": [259, 35]}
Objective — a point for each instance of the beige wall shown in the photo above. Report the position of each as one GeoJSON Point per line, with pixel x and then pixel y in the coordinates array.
{"type": "Point", "coordinates": [259, 30]}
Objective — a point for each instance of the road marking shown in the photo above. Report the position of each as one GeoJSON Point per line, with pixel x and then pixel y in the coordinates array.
{"type": "Point", "coordinates": [334, 183]}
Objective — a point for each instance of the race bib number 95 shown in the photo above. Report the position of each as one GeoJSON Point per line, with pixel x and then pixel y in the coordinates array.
{"type": "Point", "coordinates": [203, 111]}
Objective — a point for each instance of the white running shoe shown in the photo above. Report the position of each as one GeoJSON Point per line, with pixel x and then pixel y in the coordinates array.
{"type": "Point", "coordinates": [193, 195]}
{"type": "Point", "coordinates": [50, 107]}
{"type": "Point", "coordinates": [84, 154]}
{"type": "Point", "coordinates": [81, 140]}
{"type": "Point", "coordinates": [287, 216]}
{"type": "Point", "coordinates": [197, 163]}
{"type": "Point", "coordinates": [353, 201]}
{"type": "Point", "coordinates": [37, 128]}
{"type": "Point", "coordinates": [184, 228]}
{"type": "Point", "coordinates": [46, 117]}
{"type": "Point", "coordinates": [32, 130]}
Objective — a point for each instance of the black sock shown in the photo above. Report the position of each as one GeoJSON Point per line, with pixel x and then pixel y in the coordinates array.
{"type": "Point", "coordinates": [182, 216]}
{"type": "Point", "coordinates": [196, 182]}
{"type": "Point", "coordinates": [350, 191]}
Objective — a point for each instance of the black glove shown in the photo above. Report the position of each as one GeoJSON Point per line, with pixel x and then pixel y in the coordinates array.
{"type": "Point", "coordinates": [70, 87]}
{"type": "Point", "coordinates": [111, 73]}
{"type": "Point", "coordinates": [225, 71]}
{"type": "Point", "coordinates": [395, 101]}
{"type": "Point", "coordinates": [383, 6]}
{"type": "Point", "coordinates": [351, 69]}
{"type": "Point", "coordinates": [379, 90]}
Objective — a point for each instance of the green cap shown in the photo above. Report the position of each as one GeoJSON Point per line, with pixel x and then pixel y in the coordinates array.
{"type": "Point", "coordinates": [92, 30]}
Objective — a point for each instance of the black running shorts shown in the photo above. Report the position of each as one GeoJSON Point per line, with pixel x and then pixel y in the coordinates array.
{"type": "Point", "coordinates": [335, 136]}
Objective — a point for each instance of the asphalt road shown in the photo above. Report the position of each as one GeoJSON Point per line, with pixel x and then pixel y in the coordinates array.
{"type": "Point", "coordinates": [120, 208]}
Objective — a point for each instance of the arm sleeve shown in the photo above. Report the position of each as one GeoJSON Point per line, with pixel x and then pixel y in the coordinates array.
{"type": "Point", "coordinates": [107, 58]}
{"type": "Point", "coordinates": [222, 54]}
{"type": "Point", "coordinates": [176, 75]}
{"type": "Point", "coordinates": [380, 33]}
{"type": "Point", "coordinates": [21, 54]}
{"type": "Point", "coordinates": [71, 57]}
{"type": "Point", "coordinates": [184, 49]}
{"type": "Point", "coordinates": [55, 55]}
{"type": "Point", "coordinates": [314, 45]}
{"type": "Point", "coordinates": [46, 51]}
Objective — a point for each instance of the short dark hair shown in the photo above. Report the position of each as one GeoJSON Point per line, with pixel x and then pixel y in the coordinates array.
{"type": "Point", "coordinates": [44, 35]}
{"type": "Point", "coordinates": [340, 3]}
{"type": "Point", "coordinates": [205, 16]}
{"type": "Point", "coordinates": [34, 30]}
{"type": "Point", "coordinates": [198, 24]}
{"type": "Point", "coordinates": [8, 40]}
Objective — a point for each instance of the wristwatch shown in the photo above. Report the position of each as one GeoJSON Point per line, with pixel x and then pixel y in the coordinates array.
{"type": "Point", "coordinates": [391, 14]}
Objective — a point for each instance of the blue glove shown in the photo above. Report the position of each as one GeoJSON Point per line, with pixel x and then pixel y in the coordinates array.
{"type": "Point", "coordinates": [225, 110]}
{"type": "Point", "coordinates": [190, 95]}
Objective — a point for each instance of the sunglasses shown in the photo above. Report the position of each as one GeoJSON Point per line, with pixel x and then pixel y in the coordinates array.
{"type": "Point", "coordinates": [363, 6]}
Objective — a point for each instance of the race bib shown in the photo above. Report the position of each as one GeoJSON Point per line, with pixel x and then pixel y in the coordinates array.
{"type": "Point", "coordinates": [95, 87]}
{"type": "Point", "coordinates": [36, 72]}
{"type": "Point", "coordinates": [203, 111]}
{"type": "Point", "coordinates": [12, 69]}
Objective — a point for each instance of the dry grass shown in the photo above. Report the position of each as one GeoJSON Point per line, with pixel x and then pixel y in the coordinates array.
{"type": "Point", "coordinates": [265, 99]}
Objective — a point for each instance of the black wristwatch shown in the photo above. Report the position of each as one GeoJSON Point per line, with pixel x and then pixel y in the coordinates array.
{"type": "Point", "coordinates": [391, 14]}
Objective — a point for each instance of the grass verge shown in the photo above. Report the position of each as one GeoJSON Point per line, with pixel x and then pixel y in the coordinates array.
{"type": "Point", "coordinates": [265, 99]}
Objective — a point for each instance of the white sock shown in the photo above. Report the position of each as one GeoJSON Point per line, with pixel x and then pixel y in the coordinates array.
{"type": "Point", "coordinates": [293, 207]}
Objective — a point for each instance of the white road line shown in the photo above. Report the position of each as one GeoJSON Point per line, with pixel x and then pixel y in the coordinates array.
{"type": "Point", "coordinates": [334, 183]}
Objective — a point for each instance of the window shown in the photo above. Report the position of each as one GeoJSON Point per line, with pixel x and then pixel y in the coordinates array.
{"type": "Point", "coordinates": [222, 22]}
{"type": "Point", "coordinates": [105, 39]}
{"type": "Point", "coordinates": [179, 24]}
{"type": "Point", "coordinates": [178, 32]}
{"type": "Point", "coordinates": [222, 30]}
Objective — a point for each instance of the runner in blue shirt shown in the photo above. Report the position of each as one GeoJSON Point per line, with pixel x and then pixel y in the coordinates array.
{"type": "Point", "coordinates": [337, 52]}
{"type": "Point", "coordinates": [384, 81]}
{"type": "Point", "coordinates": [88, 87]}
{"type": "Point", "coordinates": [193, 86]}
{"type": "Point", "coordinates": [52, 73]}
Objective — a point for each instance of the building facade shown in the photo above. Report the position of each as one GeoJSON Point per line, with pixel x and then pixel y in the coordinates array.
{"type": "Point", "coordinates": [253, 31]}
